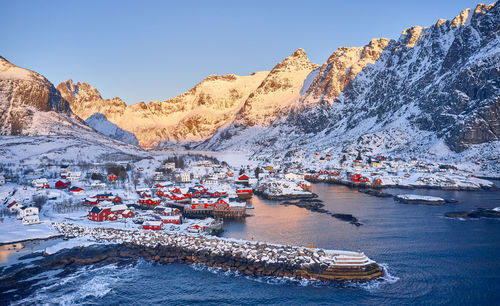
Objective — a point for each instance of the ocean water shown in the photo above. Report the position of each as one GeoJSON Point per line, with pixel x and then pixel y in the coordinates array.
{"type": "Point", "coordinates": [430, 259]}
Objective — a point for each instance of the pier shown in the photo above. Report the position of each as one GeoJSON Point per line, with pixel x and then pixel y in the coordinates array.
{"type": "Point", "coordinates": [247, 257]}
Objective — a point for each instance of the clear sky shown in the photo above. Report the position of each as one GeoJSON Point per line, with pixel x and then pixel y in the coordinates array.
{"type": "Point", "coordinates": [154, 50]}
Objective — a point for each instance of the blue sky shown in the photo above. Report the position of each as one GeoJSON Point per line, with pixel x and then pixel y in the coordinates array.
{"type": "Point", "coordinates": [154, 50]}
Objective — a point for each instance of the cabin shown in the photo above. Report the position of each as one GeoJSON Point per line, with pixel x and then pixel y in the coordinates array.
{"type": "Point", "coordinates": [76, 190]}
{"type": "Point", "coordinates": [99, 214]}
{"type": "Point", "coordinates": [74, 176]}
{"type": "Point", "coordinates": [112, 178]}
{"type": "Point", "coordinates": [377, 182]}
{"type": "Point", "coordinates": [293, 176]}
{"type": "Point", "coordinates": [243, 178]}
{"type": "Point", "coordinates": [116, 199]}
{"type": "Point", "coordinates": [358, 164]}
{"type": "Point", "coordinates": [62, 184]}
{"type": "Point", "coordinates": [183, 177]}
{"type": "Point", "coordinates": [152, 225]}
{"type": "Point", "coordinates": [376, 163]}
{"type": "Point", "coordinates": [98, 185]}
{"type": "Point", "coordinates": [177, 219]}
{"type": "Point", "coordinates": [212, 180]}
{"type": "Point", "coordinates": [104, 196]}
{"type": "Point", "coordinates": [64, 170]}
{"type": "Point", "coordinates": [328, 157]}
{"type": "Point", "coordinates": [118, 209]}
{"type": "Point", "coordinates": [32, 219]}
{"type": "Point", "coordinates": [27, 211]}
{"type": "Point", "coordinates": [41, 183]}
{"type": "Point", "coordinates": [150, 201]}
{"type": "Point", "coordinates": [354, 178]}
{"type": "Point", "coordinates": [90, 201]}
{"type": "Point", "coordinates": [169, 166]}
{"type": "Point", "coordinates": [14, 206]}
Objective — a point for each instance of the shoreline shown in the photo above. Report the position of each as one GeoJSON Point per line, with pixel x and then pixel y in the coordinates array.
{"type": "Point", "coordinates": [247, 257]}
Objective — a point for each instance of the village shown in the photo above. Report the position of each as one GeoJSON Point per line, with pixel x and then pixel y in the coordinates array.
{"type": "Point", "coordinates": [194, 193]}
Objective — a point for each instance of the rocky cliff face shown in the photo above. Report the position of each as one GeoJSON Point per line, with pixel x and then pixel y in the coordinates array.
{"type": "Point", "coordinates": [279, 90]}
{"type": "Point", "coordinates": [192, 116]}
{"type": "Point", "coordinates": [22, 93]}
{"type": "Point", "coordinates": [433, 84]}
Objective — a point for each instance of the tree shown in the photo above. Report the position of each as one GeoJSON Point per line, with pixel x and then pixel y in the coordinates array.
{"type": "Point", "coordinates": [242, 171]}
{"type": "Point", "coordinates": [257, 171]}
{"type": "Point", "coordinates": [39, 201]}
{"type": "Point", "coordinates": [359, 156]}
{"type": "Point", "coordinates": [343, 159]}
{"type": "Point", "coordinates": [369, 159]}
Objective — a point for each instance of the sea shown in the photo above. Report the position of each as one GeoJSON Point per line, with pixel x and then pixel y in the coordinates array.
{"type": "Point", "coordinates": [428, 258]}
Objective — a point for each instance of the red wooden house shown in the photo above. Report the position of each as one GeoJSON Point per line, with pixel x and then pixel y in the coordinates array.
{"type": "Point", "coordinates": [152, 225]}
{"type": "Point", "coordinates": [99, 214]}
{"type": "Point", "coordinates": [75, 189]}
{"type": "Point", "coordinates": [116, 199]}
{"type": "Point", "coordinates": [62, 184]}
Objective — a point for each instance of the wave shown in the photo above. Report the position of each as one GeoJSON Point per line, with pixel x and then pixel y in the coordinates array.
{"type": "Point", "coordinates": [372, 285]}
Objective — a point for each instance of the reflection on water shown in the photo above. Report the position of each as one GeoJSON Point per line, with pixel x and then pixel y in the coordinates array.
{"type": "Point", "coordinates": [7, 250]}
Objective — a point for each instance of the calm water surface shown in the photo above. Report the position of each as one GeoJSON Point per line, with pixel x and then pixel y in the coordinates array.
{"type": "Point", "coordinates": [430, 259]}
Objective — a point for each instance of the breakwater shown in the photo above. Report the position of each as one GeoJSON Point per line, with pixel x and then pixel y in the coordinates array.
{"type": "Point", "coordinates": [249, 258]}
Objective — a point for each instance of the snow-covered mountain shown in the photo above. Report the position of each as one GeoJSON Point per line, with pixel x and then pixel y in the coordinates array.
{"type": "Point", "coordinates": [23, 93]}
{"type": "Point", "coordinates": [101, 124]}
{"type": "Point", "coordinates": [198, 113]}
{"type": "Point", "coordinates": [434, 87]}
{"type": "Point", "coordinates": [34, 115]}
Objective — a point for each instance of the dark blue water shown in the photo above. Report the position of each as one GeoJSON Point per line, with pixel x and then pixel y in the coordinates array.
{"type": "Point", "coordinates": [430, 259]}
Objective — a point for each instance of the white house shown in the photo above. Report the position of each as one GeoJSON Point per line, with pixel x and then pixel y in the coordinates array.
{"type": "Point", "coordinates": [169, 166]}
{"type": "Point", "coordinates": [212, 180]}
{"type": "Point", "coordinates": [293, 176]}
{"type": "Point", "coordinates": [63, 171]}
{"type": "Point", "coordinates": [14, 206]}
{"type": "Point", "coordinates": [40, 183]}
{"type": "Point", "coordinates": [27, 211]}
{"type": "Point", "coordinates": [184, 177]}
{"type": "Point", "coordinates": [33, 219]}
{"type": "Point", "coordinates": [74, 176]}
{"type": "Point", "coordinates": [98, 185]}
{"type": "Point", "coordinates": [158, 176]}
{"type": "Point", "coordinates": [2, 180]}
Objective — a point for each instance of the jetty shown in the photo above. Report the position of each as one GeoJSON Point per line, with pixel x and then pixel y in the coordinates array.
{"type": "Point", "coordinates": [247, 257]}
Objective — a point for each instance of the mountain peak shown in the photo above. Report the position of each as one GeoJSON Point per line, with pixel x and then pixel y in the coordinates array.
{"type": "Point", "coordinates": [460, 19]}
{"type": "Point", "coordinates": [482, 8]}
{"type": "Point", "coordinates": [299, 53]}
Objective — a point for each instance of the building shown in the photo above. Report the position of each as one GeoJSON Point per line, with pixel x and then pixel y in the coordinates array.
{"type": "Point", "coordinates": [74, 176]}
{"type": "Point", "coordinates": [212, 180]}
{"type": "Point", "coordinates": [169, 166]}
{"type": "Point", "coordinates": [76, 190]}
{"type": "Point", "coordinates": [98, 186]}
{"type": "Point", "coordinates": [176, 219]}
{"type": "Point", "coordinates": [61, 184]}
{"type": "Point", "coordinates": [112, 177]}
{"type": "Point", "coordinates": [14, 206]}
{"type": "Point", "coordinates": [293, 176]}
{"type": "Point", "coordinates": [64, 170]}
{"type": "Point", "coordinates": [183, 177]}
{"type": "Point", "coordinates": [152, 225]}
{"type": "Point", "coordinates": [41, 183]}
{"type": "Point", "coordinates": [99, 214]}
{"type": "Point", "coordinates": [32, 219]}
{"type": "Point", "coordinates": [357, 164]}
{"type": "Point", "coordinates": [26, 211]}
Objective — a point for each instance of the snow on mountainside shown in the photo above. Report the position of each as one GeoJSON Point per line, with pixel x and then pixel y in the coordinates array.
{"type": "Point", "coordinates": [198, 113]}
{"type": "Point", "coordinates": [23, 93]}
{"type": "Point", "coordinates": [278, 90]}
{"type": "Point", "coordinates": [101, 124]}
{"type": "Point", "coordinates": [433, 87]}
{"type": "Point", "coordinates": [192, 116]}
{"type": "Point", "coordinates": [41, 122]}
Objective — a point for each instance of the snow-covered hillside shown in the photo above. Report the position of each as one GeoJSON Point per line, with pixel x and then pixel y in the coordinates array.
{"type": "Point", "coordinates": [101, 124]}
{"type": "Point", "coordinates": [35, 121]}
{"type": "Point", "coordinates": [434, 92]}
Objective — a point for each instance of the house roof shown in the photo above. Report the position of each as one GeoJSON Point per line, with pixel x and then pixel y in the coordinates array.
{"type": "Point", "coordinates": [95, 210]}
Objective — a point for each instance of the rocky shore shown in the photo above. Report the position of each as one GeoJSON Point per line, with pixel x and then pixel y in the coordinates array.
{"type": "Point", "coordinates": [316, 205]}
{"type": "Point", "coordinates": [249, 258]}
{"type": "Point", "coordinates": [476, 214]}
